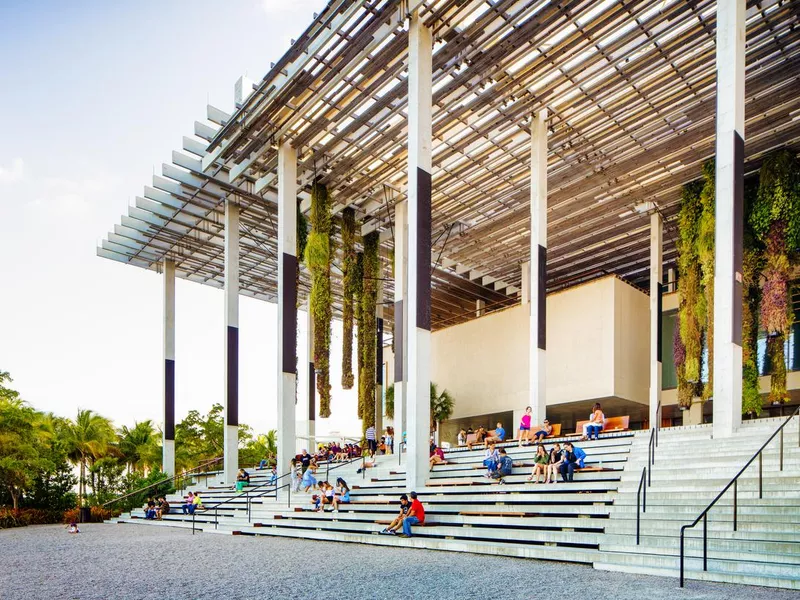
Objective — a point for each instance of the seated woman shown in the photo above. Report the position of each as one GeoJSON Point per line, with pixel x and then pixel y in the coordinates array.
{"type": "Point", "coordinates": [556, 459]}
{"type": "Point", "coordinates": [480, 434]}
{"type": "Point", "coordinates": [342, 495]}
{"type": "Point", "coordinates": [595, 424]}
{"type": "Point", "coordinates": [242, 480]}
{"type": "Point", "coordinates": [490, 459]}
{"type": "Point", "coordinates": [462, 438]}
{"type": "Point", "coordinates": [436, 456]}
{"type": "Point", "coordinates": [543, 432]}
{"type": "Point", "coordinates": [540, 463]}
{"type": "Point", "coordinates": [368, 461]}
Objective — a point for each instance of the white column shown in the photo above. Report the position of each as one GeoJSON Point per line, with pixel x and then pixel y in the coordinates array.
{"type": "Point", "coordinates": [168, 439]}
{"type": "Point", "coordinates": [231, 435]}
{"type": "Point", "coordinates": [379, 355]}
{"type": "Point", "coordinates": [656, 277]}
{"type": "Point", "coordinates": [419, 250]}
{"type": "Point", "coordinates": [480, 307]}
{"type": "Point", "coordinates": [400, 322]}
{"type": "Point", "coordinates": [287, 304]}
{"type": "Point", "coordinates": [729, 218]}
{"type": "Point", "coordinates": [525, 282]}
{"type": "Point", "coordinates": [538, 277]}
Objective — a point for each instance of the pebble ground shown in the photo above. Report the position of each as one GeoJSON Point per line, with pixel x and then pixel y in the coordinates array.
{"type": "Point", "coordinates": [107, 562]}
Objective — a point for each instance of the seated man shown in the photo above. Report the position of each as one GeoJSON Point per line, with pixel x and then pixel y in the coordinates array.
{"type": "Point", "coordinates": [498, 435]}
{"type": "Point", "coordinates": [416, 515]}
{"type": "Point", "coordinates": [504, 466]}
{"type": "Point", "coordinates": [573, 459]}
{"type": "Point", "coordinates": [397, 523]}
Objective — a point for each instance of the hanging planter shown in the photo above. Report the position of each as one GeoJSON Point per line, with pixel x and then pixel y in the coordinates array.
{"type": "Point", "coordinates": [368, 331]}
{"type": "Point", "coordinates": [705, 253]}
{"type": "Point", "coordinates": [358, 289]}
{"type": "Point", "coordinates": [349, 289]}
{"type": "Point", "coordinates": [318, 254]}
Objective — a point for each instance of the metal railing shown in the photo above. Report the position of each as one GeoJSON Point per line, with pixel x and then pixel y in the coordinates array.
{"type": "Point", "coordinates": [184, 476]}
{"type": "Point", "coordinates": [647, 471]}
{"type": "Point", "coordinates": [734, 482]}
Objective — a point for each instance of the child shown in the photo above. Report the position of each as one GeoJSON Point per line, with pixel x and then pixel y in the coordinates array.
{"type": "Point", "coordinates": [73, 528]}
{"type": "Point", "coordinates": [342, 495]}
{"type": "Point", "coordinates": [297, 480]}
{"type": "Point", "coordinates": [309, 480]}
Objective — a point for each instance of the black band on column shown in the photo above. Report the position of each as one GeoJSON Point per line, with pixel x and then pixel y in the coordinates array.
{"type": "Point", "coordinates": [738, 235]}
{"type": "Point", "coordinates": [398, 339]}
{"type": "Point", "coordinates": [289, 325]}
{"type": "Point", "coordinates": [312, 392]}
{"type": "Point", "coordinates": [169, 399]}
{"type": "Point", "coordinates": [379, 352]}
{"type": "Point", "coordinates": [423, 249]}
{"type": "Point", "coordinates": [233, 376]}
{"type": "Point", "coordinates": [542, 299]}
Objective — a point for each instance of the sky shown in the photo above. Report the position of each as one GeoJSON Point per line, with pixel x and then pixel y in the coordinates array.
{"type": "Point", "coordinates": [95, 96]}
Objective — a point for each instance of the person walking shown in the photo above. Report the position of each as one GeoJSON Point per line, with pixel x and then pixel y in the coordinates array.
{"type": "Point", "coordinates": [372, 443]}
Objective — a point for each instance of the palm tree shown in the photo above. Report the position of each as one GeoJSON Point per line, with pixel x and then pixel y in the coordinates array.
{"type": "Point", "coordinates": [140, 446]}
{"type": "Point", "coordinates": [441, 407]}
{"type": "Point", "coordinates": [87, 438]}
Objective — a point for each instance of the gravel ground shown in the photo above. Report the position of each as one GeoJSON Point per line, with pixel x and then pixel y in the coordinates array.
{"type": "Point", "coordinates": [128, 561]}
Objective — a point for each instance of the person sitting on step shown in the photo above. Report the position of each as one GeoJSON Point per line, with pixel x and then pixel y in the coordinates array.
{"type": "Point", "coordinates": [504, 466]}
{"type": "Point", "coordinates": [540, 464]}
{"type": "Point", "coordinates": [556, 460]}
{"type": "Point", "coordinates": [397, 523]}
{"type": "Point", "coordinates": [545, 430]}
{"type": "Point", "coordinates": [490, 459]}
{"type": "Point", "coordinates": [242, 480]}
{"type": "Point", "coordinates": [368, 462]}
{"type": "Point", "coordinates": [342, 495]}
{"type": "Point", "coordinates": [573, 459]}
{"type": "Point", "coordinates": [436, 456]}
{"type": "Point", "coordinates": [162, 508]}
{"type": "Point", "coordinates": [498, 435]}
{"type": "Point", "coordinates": [416, 515]}
{"type": "Point", "coordinates": [188, 506]}
{"type": "Point", "coordinates": [595, 424]}
{"type": "Point", "coordinates": [480, 434]}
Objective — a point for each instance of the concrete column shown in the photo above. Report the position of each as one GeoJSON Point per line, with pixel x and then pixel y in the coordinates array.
{"type": "Point", "coordinates": [419, 250]}
{"type": "Point", "coordinates": [525, 282]}
{"type": "Point", "coordinates": [400, 321]}
{"type": "Point", "coordinates": [538, 277]}
{"type": "Point", "coordinates": [308, 408]}
{"type": "Point", "coordinates": [287, 304]}
{"type": "Point", "coordinates": [656, 277]}
{"type": "Point", "coordinates": [168, 439]}
{"type": "Point", "coordinates": [480, 308]}
{"type": "Point", "coordinates": [729, 213]}
{"type": "Point", "coordinates": [231, 435]}
{"type": "Point", "coordinates": [379, 357]}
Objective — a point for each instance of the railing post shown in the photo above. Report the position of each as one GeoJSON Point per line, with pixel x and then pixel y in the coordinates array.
{"type": "Point", "coordinates": [328, 472]}
{"type": "Point", "coordinates": [781, 449]}
{"type": "Point", "coordinates": [705, 542]}
{"type": "Point", "coordinates": [363, 468]}
{"type": "Point", "coordinates": [760, 475]}
{"type": "Point", "coordinates": [288, 496]}
{"type": "Point", "coordinates": [216, 516]}
{"type": "Point", "coordinates": [248, 506]}
{"type": "Point", "coordinates": [192, 523]}
{"type": "Point", "coordinates": [735, 498]}
{"type": "Point", "coordinates": [682, 532]}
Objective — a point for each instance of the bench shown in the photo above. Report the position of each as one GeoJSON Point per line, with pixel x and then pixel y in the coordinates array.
{"type": "Point", "coordinates": [611, 424]}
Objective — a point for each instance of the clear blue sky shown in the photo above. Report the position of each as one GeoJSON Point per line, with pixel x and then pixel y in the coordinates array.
{"type": "Point", "coordinates": [95, 96]}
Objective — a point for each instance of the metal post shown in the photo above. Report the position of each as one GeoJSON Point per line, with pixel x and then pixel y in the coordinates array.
{"type": "Point", "coordinates": [216, 516]}
{"type": "Point", "coordinates": [681, 578]}
{"type": "Point", "coordinates": [288, 495]}
{"type": "Point", "coordinates": [781, 449]}
{"type": "Point", "coordinates": [192, 523]}
{"type": "Point", "coordinates": [760, 472]}
{"type": "Point", "coordinates": [735, 498]}
{"type": "Point", "coordinates": [248, 506]}
{"type": "Point", "coordinates": [705, 542]}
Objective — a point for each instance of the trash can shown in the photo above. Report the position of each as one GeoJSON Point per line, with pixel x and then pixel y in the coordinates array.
{"type": "Point", "coordinates": [86, 514]}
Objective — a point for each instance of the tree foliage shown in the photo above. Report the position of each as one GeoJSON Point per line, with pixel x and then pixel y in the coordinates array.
{"type": "Point", "coordinates": [368, 331]}
{"type": "Point", "coordinates": [348, 293]}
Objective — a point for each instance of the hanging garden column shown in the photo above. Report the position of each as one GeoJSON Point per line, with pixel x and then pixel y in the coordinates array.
{"type": "Point", "coordinates": [379, 355]}
{"type": "Point", "coordinates": [729, 218]}
{"type": "Point", "coordinates": [400, 321]}
{"type": "Point", "coordinates": [168, 442]}
{"type": "Point", "coordinates": [310, 405]}
{"type": "Point", "coordinates": [538, 277]}
{"type": "Point", "coordinates": [656, 276]}
{"type": "Point", "coordinates": [419, 249]}
{"type": "Point", "coordinates": [287, 304]}
{"type": "Point", "coordinates": [231, 435]}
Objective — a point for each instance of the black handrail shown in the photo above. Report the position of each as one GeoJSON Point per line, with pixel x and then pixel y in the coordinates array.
{"type": "Point", "coordinates": [638, 497]}
{"type": "Point", "coordinates": [734, 482]}
{"type": "Point", "coordinates": [647, 473]}
{"type": "Point", "coordinates": [168, 479]}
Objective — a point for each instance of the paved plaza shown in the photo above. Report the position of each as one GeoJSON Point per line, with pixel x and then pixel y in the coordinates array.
{"type": "Point", "coordinates": [123, 561]}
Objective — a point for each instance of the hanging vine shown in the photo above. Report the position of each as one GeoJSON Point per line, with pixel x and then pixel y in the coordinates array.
{"type": "Point", "coordinates": [689, 289]}
{"type": "Point", "coordinates": [358, 288]}
{"type": "Point", "coordinates": [302, 238]}
{"type": "Point", "coordinates": [348, 283]}
{"type": "Point", "coordinates": [775, 220]}
{"type": "Point", "coordinates": [318, 254]}
{"type": "Point", "coordinates": [751, 298]}
{"type": "Point", "coordinates": [368, 331]}
{"type": "Point", "coordinates": [705, 254]}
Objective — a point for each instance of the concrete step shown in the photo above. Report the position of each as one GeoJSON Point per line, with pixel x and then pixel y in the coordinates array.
{"type": "Point", "coordinates": [722, 542]}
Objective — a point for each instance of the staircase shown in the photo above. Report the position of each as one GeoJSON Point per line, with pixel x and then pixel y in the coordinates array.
{"type": "Point", "coordinates": [690, 470]}
{"type": "Point", "coordinates": [465, 512]}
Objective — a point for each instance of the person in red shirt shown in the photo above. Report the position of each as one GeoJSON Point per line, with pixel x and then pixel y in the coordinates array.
{"type": "Point", "coordinates": [437, 456]}
{"type": "Point", "coordinates": [416, 515]}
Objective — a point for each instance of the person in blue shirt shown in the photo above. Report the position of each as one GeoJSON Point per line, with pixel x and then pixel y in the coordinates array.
{"type": "Point", "coordinates": [504, 466]}
{"type": "Point", "coordinates": [573, 459]}
{"type": "Point", "coordinates": [499, 434]}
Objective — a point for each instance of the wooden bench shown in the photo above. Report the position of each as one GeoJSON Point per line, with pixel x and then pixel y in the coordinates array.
{"type": "Point", "coordinates": [611, 424]}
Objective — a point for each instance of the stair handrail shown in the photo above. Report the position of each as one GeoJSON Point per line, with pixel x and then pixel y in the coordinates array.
{"type": "Point", "coordinates": [647, 472]}
{"type": "Point", "coordinates": [734, 482]}
{"type": "Point", "coordinates": [167, 480]}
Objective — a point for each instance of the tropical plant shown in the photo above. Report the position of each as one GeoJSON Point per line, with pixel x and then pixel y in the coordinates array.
{"type": "Point", "coordinates": [705, 254]}
{"type": "Point", "coordinates": [348, 293]}
{"type": "Point", "coordinates": [87, 438]}
{"type": "Point", "coordinates": [140, 446]}
{"type": "Point", "coordinates": [20, 459]}
{"type": "Point", "coordinates": [263, 446]}
{"type": "Point", "coordinates": [368, 331]}
{"type": "Point", "coordinates": [389, 407]}
{"type": "Point", "coordinates": [318, 260]}
{"type": "Point", "coordinates": [442, 405]}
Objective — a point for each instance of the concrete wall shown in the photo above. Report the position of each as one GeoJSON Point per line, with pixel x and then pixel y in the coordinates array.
{"type": "Point", "coordinates": [631, 343]}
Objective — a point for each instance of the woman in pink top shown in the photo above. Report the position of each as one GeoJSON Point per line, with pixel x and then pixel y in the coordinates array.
{"type": "Point", "coordinates": [525, 427]}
